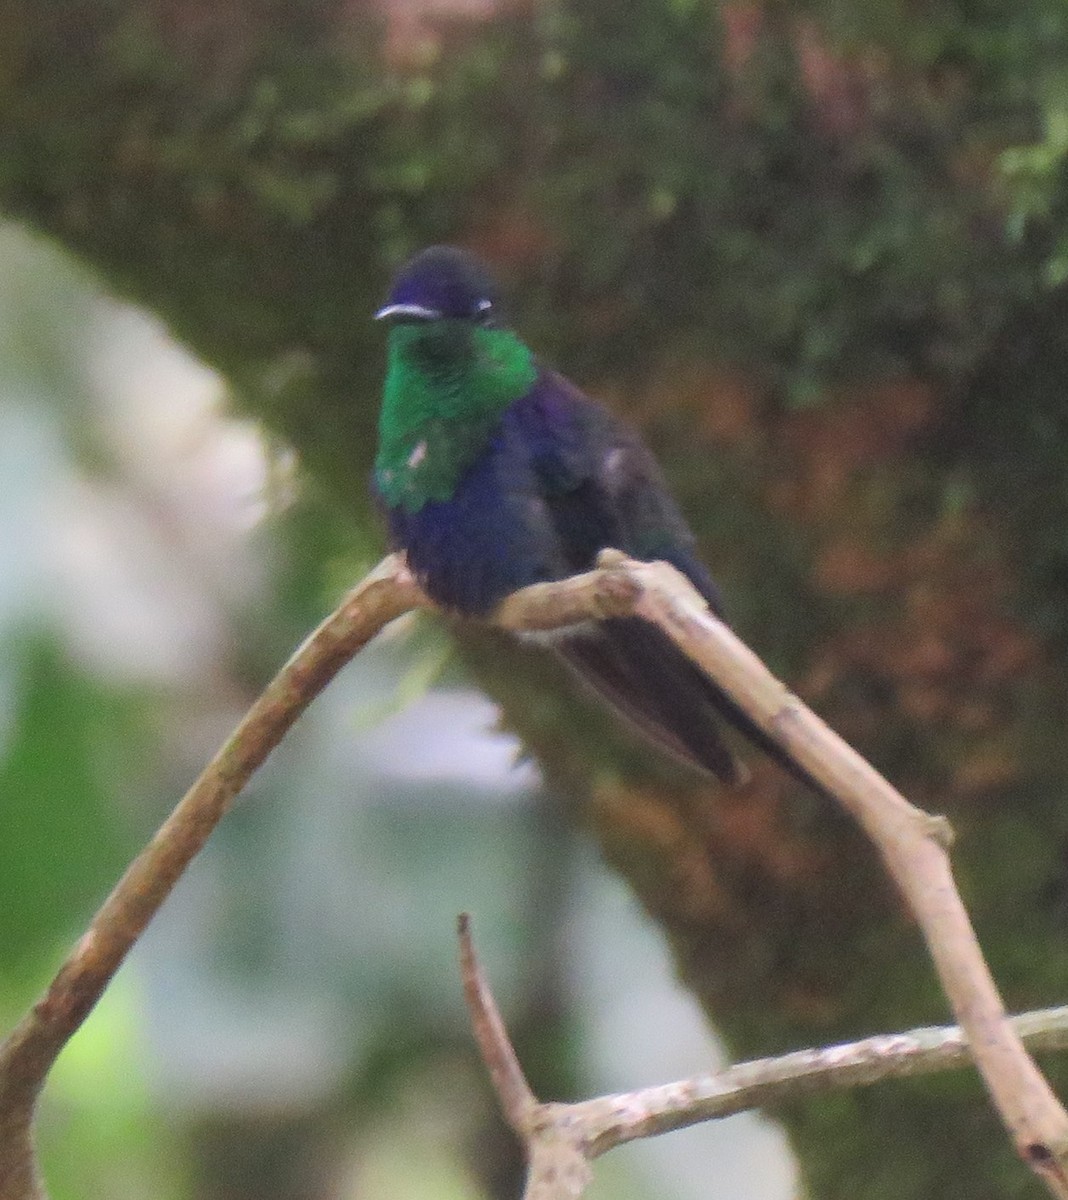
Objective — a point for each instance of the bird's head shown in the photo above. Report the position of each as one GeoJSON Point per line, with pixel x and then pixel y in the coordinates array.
{"type": "Point", "coordinates": [442, 283]}
{"type": "Point", "coordinates": [452, 371]}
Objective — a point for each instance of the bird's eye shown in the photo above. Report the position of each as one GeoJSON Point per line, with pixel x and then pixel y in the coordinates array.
{"type": "Point", "coordinates": [484, 311]}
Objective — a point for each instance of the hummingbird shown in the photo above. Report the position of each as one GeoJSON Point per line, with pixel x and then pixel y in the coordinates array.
{"type": "Point", "coordinates": [496, 472]}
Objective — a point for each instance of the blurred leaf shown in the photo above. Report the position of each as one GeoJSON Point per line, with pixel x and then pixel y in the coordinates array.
{"type": "Point", "coordinates": [62, 839]}
{"type": "Point", "coordinates": [101, 1133]}
{"type": "Point", "coordinates": [428, 653]}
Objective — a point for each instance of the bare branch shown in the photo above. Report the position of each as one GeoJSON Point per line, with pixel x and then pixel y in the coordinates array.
{"type": "Point", "coordinates": [563, 1138]}
{"type": "Point", "coordinates": [611, 1120]}
{"type": "Point", "coordinates": [911, 842]}
{"type": "Point", "coordinates": [557, 1152]}
{"type": "Point", "coordinates": [27, 1054]}
{"type": "Point", "coordinates": [498, 1053]}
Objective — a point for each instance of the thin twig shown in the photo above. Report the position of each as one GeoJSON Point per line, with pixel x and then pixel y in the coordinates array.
{"type": "Point", "coordinates": [558, 1153]}
{"type": "Point", "coordinates": [614, 1119]}
{"type": "Point", "coordinates": [561, 1140]}
{"type": "Point", "coordinates": [498, 1053]}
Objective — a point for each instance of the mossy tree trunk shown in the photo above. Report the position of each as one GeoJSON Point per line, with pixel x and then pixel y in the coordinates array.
{"type": "Point", "coordinates": [784, 247]}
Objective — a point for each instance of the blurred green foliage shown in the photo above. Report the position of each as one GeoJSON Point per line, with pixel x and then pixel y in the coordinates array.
{"type": "Point", "coordinates": [819, 252]}
{"type": "Point", "coordinates": [70, 743]}
{"type": "Point", "coordinates": [102, 1131]}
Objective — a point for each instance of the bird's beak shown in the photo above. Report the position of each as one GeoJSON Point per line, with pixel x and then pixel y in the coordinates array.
{"type": "Point", "coordinates": [407, 312]}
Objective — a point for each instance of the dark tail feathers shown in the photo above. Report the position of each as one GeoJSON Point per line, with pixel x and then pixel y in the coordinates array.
{"type": "Point", "coordinates": [638, 669]}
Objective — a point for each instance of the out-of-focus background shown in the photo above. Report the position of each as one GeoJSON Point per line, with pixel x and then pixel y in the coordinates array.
{"type": "Point", "coordinates": [818, 254]}
{"type": "Point", "coordinates": [292, 1024]}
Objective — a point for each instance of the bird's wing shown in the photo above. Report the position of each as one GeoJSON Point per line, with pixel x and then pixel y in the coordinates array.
{"type": "Point", "coordinates": [602, 487]}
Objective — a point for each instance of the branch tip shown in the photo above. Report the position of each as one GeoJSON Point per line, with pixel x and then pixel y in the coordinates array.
{"type": "Point", "coordinates": [517, 1101]}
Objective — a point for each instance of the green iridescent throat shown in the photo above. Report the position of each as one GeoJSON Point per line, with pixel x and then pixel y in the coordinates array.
{"type": "Point", "coordinates": [447, 384]}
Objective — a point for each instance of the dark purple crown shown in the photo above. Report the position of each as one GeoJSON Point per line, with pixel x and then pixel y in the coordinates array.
{"type": "Point", "coordinates": [442, 281]}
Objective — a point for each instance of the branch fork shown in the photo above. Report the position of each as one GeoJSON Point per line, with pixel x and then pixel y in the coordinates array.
{"type": "Point", "coordinates": [562, 1139]}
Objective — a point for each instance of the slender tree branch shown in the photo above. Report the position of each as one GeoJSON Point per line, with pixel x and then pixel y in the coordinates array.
{"type": "Point", "coordinates": [912, 843]}
{"type": "Point", "coordinates": [557, 1149]}
{"type": "Point", "coordinates": [561, 1139]}
{"type": "Point", "coordinates": [27, 1054]}
{"type": "Point", "coordinates": [612, 1120]}
{"type": "Point", "coordinates": [494, 1045]}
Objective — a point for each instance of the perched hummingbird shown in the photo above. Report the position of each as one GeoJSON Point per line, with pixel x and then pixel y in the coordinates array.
{"type": "Point", "coordinates": [496, 472]}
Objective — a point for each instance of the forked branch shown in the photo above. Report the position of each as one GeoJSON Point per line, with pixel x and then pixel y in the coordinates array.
{"type": "Point", "coordinates": [562, 1140]}
{"type": "Point", "coordinates": [912, 844]}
